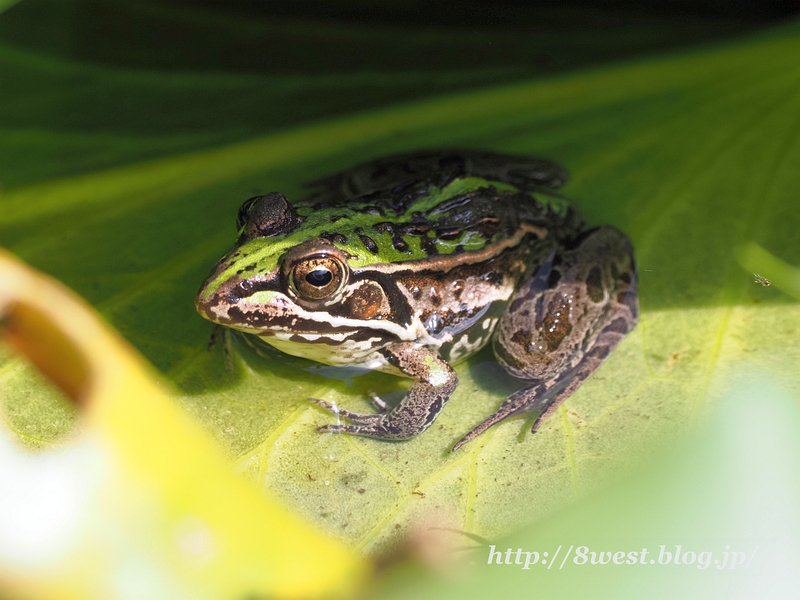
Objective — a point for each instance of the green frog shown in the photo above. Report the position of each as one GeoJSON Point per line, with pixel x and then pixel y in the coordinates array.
{"type": "Point", "coordinates": [411, 263]}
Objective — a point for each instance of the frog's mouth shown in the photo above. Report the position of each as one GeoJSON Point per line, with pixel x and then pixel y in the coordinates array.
{"type": "Point", "coordinates": [260, 306]}
{"type": "Point", "coordinates": [270, 314]}
{"type": "Point", "coordinates": [315, 335]}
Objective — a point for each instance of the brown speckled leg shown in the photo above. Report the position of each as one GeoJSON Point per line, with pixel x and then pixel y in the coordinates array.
{"type": "Point", "coordinates": [435, 382]}
{"type": "Point", "coordinates": [555, 336]}
{"type": "Point", "coordinates": [545, 398]}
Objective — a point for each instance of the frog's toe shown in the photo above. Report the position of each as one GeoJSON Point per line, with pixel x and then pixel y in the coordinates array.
{"type": "Point", "coordinates": [342, 412]}
{"type": "Point", "coordinates": [371, 426]}
{"type": "Point", "coordinates": [373, 430]}
{"type": "Point", "coordinates": [530, 399]}
{"type": "Point", "coordinates": [491, 421]}
{"type": "Point", "coordinates": [377, 402]}
{"type": "Point", "coordinates": [379, 427]}
{"type": "Point", "coordinates": [331, 408]}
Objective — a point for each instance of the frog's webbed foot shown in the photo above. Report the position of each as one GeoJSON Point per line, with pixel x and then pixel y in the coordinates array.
{"type": "Point", "coordinates": [517, 403]}
{"type": "Point", "coordinates": [383, 426]}
{"type": "Point", "coordinates": [435, 382]}
{"type": "Point", "coordinates": [543, 398]}
{"type": "Point", "coordinates": [546, 397]}
{"type": "Point", "coordinates": [366, 425]}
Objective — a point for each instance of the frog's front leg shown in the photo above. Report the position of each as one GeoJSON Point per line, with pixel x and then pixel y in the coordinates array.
{"type": "Point", "coordinates": [217, 333]}
{"type": "Point", "coordinates": [434, 382]}
{"type": "Point", "coordinates": [562, 324]}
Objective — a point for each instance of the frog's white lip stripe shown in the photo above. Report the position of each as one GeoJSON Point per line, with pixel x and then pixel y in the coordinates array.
{"type": "Point", "coordinates": [320, 323]}
{"type": "Point", "coordinates": [359, 354]}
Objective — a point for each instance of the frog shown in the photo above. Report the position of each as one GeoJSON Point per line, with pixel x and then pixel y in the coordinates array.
{"type": "Point", "coordinates": [411, 263]}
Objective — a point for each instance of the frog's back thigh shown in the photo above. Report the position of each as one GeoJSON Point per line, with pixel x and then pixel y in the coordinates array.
{"type": "Point", "coordinates": [556, 317]}
{"type": "Point", "coordinates": [563, 323]}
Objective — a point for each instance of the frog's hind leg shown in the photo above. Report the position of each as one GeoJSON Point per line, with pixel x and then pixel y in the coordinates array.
{"type": "Point", "coordinates": [516, 404]}
{"type": "Point", "coordinates": [564, 322]}
{"type": "Point", "coordinates": [546, 397]}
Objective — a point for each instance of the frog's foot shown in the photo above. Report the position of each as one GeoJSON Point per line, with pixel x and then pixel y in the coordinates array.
{"type": "Point", "coordinates": [523, 401]}
{"type": "Point", "coordinates": [546, 397]}
{"type": "Point", "coordinates": [376, 401]}
{"type": "Point", "coordinates": [392, 426]}
{"type": "Point", "coordinates": [374, 426]}
{"type": "Point", "coordinates": [374, 431]}
{"type": "Point", "coordinates": [434, 382]}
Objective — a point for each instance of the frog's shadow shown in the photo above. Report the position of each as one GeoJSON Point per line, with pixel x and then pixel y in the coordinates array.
{"type": "Point", "coordinates": [490, 376]}
{"type": "Point", "coordinates": [248, 353]}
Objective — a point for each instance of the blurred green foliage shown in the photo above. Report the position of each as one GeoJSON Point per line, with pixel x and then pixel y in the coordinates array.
{"type": "Point", "coordinates": [91, 84]}
{"type": "Point", "coordinates": [717, 518]}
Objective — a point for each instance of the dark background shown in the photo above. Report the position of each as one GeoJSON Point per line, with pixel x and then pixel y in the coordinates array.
{"type": "Point", "coordinates": [263, 35]}
{"type": "Point", "coordinates": [92, 84]}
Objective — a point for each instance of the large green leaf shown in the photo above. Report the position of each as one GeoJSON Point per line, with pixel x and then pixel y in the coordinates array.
{"type": "Point", "coordinates": [692, 155]}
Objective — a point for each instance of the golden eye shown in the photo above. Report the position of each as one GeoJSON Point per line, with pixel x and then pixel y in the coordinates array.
{"type": "Point", "coordinates": [318, 277]}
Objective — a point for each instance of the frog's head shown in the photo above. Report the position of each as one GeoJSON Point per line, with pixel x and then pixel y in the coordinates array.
{"type": "Point", "coordinates": [282, 279]}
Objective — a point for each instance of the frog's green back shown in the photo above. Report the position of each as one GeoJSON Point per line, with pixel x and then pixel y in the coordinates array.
{"type": "Point", "coordinates": [406, 208]}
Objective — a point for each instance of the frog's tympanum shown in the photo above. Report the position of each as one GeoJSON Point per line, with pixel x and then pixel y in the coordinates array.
{"type": "Point", "coordinates": [409, 264]}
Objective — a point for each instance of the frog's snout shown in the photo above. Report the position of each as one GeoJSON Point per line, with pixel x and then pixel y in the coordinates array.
{"type": "Point", "coordinates": [210, 303]}
{"type": "Point", "coordinates": [230, 299]}
{"type": "Point", "coordinates": [216, 294]}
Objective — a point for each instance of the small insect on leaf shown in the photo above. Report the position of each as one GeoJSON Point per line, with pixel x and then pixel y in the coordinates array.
{"type": "Point", "coordinates": [762, 280]}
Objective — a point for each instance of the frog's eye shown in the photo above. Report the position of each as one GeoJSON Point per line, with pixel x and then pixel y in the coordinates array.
{"type": "Point", "coordinates": [318, 277]}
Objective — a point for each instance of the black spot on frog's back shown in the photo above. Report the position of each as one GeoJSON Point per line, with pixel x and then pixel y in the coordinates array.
{"type": "Point", "coordinates": [337, 238]}
{"type": "Point", "coordinates": [594, 285]}
{"type": "Point", "coordinates": [618, 325]}
{"type": "Point", "coordinates": [369, 243]}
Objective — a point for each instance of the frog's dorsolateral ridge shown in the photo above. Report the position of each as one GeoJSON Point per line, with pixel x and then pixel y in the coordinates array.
{"type": "Point", "coordinates": [410, 263]}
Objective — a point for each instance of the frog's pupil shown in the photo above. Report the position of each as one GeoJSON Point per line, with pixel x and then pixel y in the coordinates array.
{"type": "Point", "coordinates": [319, 277]}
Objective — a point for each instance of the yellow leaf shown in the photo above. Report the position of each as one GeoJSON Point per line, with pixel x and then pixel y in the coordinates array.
{"type": "Point", "coordinates": [141, 502]}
